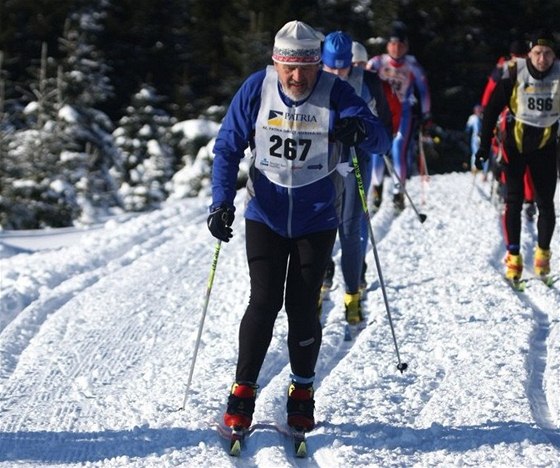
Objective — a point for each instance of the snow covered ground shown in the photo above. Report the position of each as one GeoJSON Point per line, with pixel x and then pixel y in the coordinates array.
{"type": "Point", "coordinates": [96, 341]}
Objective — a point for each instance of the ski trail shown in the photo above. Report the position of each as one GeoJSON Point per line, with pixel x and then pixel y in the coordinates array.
{"type": "Point", "coordinates": [101, 376]}
{"type": "Point", "coordinates": [85, 360]}
{"type": "Point", "coordinates": [537, 362]}
{"type": "Point", "coordinates": [21, 330]}
{"type": "Point", "coordinates": [117, 249]}
{"type": "Point", "coordinates": [64, 319]}
{"type": "Point", "coordinates": [539, 298]}
{"type": "Point", "coordinates": [537, 356]}
{"type": "Point", "coordinates": [96, 338]}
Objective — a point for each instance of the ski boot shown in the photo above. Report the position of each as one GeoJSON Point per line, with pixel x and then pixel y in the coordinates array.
{"type": "Point", "coordinates": [353, 308]}
{"type": "Point", "coordinates": [241, 404]}
{"type": "Point", "coordinates": [514, 268]}
{"type": "Point", "coordinates": [301, 406]}
{"type": "Point", "coordinates": [542, 262]}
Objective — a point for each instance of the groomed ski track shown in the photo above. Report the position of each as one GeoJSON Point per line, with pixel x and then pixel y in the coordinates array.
{"type": "Point", "coordinates": [96, 343]}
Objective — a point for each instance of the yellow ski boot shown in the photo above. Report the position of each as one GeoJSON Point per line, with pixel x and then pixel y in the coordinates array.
{"type": "Point", "coordinates": [514, 268]}
{"type": "Point", "coordinates": [542, 263]}
{"type": "Point", "coordinates": [353, 308]}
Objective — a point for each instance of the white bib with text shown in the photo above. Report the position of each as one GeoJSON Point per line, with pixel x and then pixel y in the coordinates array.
{"type": "Point", "coordinates": [292, 143]}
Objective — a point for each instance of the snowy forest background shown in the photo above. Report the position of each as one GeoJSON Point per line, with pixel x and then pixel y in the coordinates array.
{"type": "Point", "coordinates": [98, 97]}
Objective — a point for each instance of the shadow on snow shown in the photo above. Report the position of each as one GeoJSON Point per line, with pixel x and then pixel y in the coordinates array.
{"type": "Point", "coordinates": [58, 447]}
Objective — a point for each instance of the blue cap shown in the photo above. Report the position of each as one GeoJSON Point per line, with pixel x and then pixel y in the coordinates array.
{"type": "Point", "coordinates": [337, 50]}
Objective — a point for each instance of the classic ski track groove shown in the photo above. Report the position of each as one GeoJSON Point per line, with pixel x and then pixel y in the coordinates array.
{"type": "Point", "coordinates": [68, 384]}
{"type": "Point", "coordinates": [62, 386]}
{"type": "Point", "coordinates": [534, 298]}
{"type": "Point", "coordinates": [66, 286]}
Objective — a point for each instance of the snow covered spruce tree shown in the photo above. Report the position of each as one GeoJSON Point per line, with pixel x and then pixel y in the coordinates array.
{"type": "Point", "coordinates": [87, 132]}
{"type": "Point", "coordinates": [35, 191]}
{"type": "Point", "coordinates": [144, 140]}
{"type": "Point", "coordinates": [61, 161]}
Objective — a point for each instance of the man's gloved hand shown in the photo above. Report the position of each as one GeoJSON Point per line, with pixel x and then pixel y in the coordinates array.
{"type": "Point", "coordinates": [481, 157]}
{"type": "Point", "coordinates": [350, 131]}
{"type": "Point", "coordinates": [219, 222]}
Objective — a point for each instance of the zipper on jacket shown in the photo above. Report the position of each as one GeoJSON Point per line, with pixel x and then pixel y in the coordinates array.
{"type": "Point", "coordinates": [290, 195]}
{"type": "Point", "coordinates": [290, 211]}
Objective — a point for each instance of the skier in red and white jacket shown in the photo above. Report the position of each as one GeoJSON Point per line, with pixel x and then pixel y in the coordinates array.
{"type": "Point", "coordinates": [405, 75]}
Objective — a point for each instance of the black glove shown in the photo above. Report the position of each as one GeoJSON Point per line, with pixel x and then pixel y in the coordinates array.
{"type": "Point", "coordinates": [219, 223]}
{"type": "Point", "coordinates": [481, 157]}
{"type": "Point", "coordinates": [350, 131]}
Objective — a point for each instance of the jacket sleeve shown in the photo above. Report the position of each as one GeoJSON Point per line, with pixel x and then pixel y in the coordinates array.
{"type": "Point", "coordinates": [377, 91]}
{"type": "Point", "coordinates": [234, 136]}
{"type": "Point", "coordinates": [347, 103]}
{"type": "Point", "coordinates": [498, 100]}
{"type": "Point", "coordinates": [421, 84]}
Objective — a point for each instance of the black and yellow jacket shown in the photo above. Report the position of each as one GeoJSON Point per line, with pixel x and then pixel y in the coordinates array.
{"type": "Point", "coordinates": [531, 100]}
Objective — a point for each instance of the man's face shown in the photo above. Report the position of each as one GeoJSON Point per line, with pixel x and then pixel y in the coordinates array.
{"type": "Point", "coordinates": [541, 57]}
{"type": "Point", "coordinates": [396, 49]}
{"type": "Point", "coordinates": [297, 80]}
{"type": "Point", "coordinates": [340, 72]}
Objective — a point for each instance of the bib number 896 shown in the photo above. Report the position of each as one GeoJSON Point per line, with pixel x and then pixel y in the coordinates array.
{"type": "Point", "coordinates": [540, 104]}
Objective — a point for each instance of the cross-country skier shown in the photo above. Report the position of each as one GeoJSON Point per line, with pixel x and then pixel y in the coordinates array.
{"type": "Point", "coordinates": [353, 231]}
{"type": "Point", "coordinates": [359, 55]}
{"type": "Point", "coordinates": [295, 118]}
{"type": "Point", "coordinates": [404, 74]}
{"type": "Point", "coordinates": [530, 89]}
{"type": "Point", "coordinates": [472, 128]}
{"type": "Point", "coordinates": [517, 49]}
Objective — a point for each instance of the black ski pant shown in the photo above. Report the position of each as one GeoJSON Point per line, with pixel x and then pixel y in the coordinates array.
{"type": "Point", "coordinates": [275, 263]}
{"type": "Point", "coordinates": [542, 165]}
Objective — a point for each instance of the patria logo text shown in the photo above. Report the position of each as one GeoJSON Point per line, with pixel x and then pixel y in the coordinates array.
{"type": "Point", "coordinates": [300, 117]}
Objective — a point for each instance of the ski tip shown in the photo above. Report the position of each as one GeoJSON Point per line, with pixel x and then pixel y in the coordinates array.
{"type": "Point", "coordinates": [517, 284]}
{"type": "Point", "coordinates": [301, 449]}
{"type": "Point", "coordinates": [237, 436]}
{"type": "Point", "coordinates": [300, 443]}
{"type": "Point", "coordinates": [548, 280]}
{"type": "Point", "coordinates": [235, 448]}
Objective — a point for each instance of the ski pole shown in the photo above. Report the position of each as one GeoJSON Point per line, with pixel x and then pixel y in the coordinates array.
{"type": "Point", "coordinates": [421, 216]}
{"type": "Point", "coordinates": [402, 366]}
{"type": "Point", "coordinates": [424, 174]}
{"type": "Point", "coordinates": [204, 309]}
{"type": "Point", "coordinates": [423, 164]}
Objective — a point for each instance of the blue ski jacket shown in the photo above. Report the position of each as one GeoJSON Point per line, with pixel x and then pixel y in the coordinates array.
{"type": "Point", "coordinates": [289, 211]}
